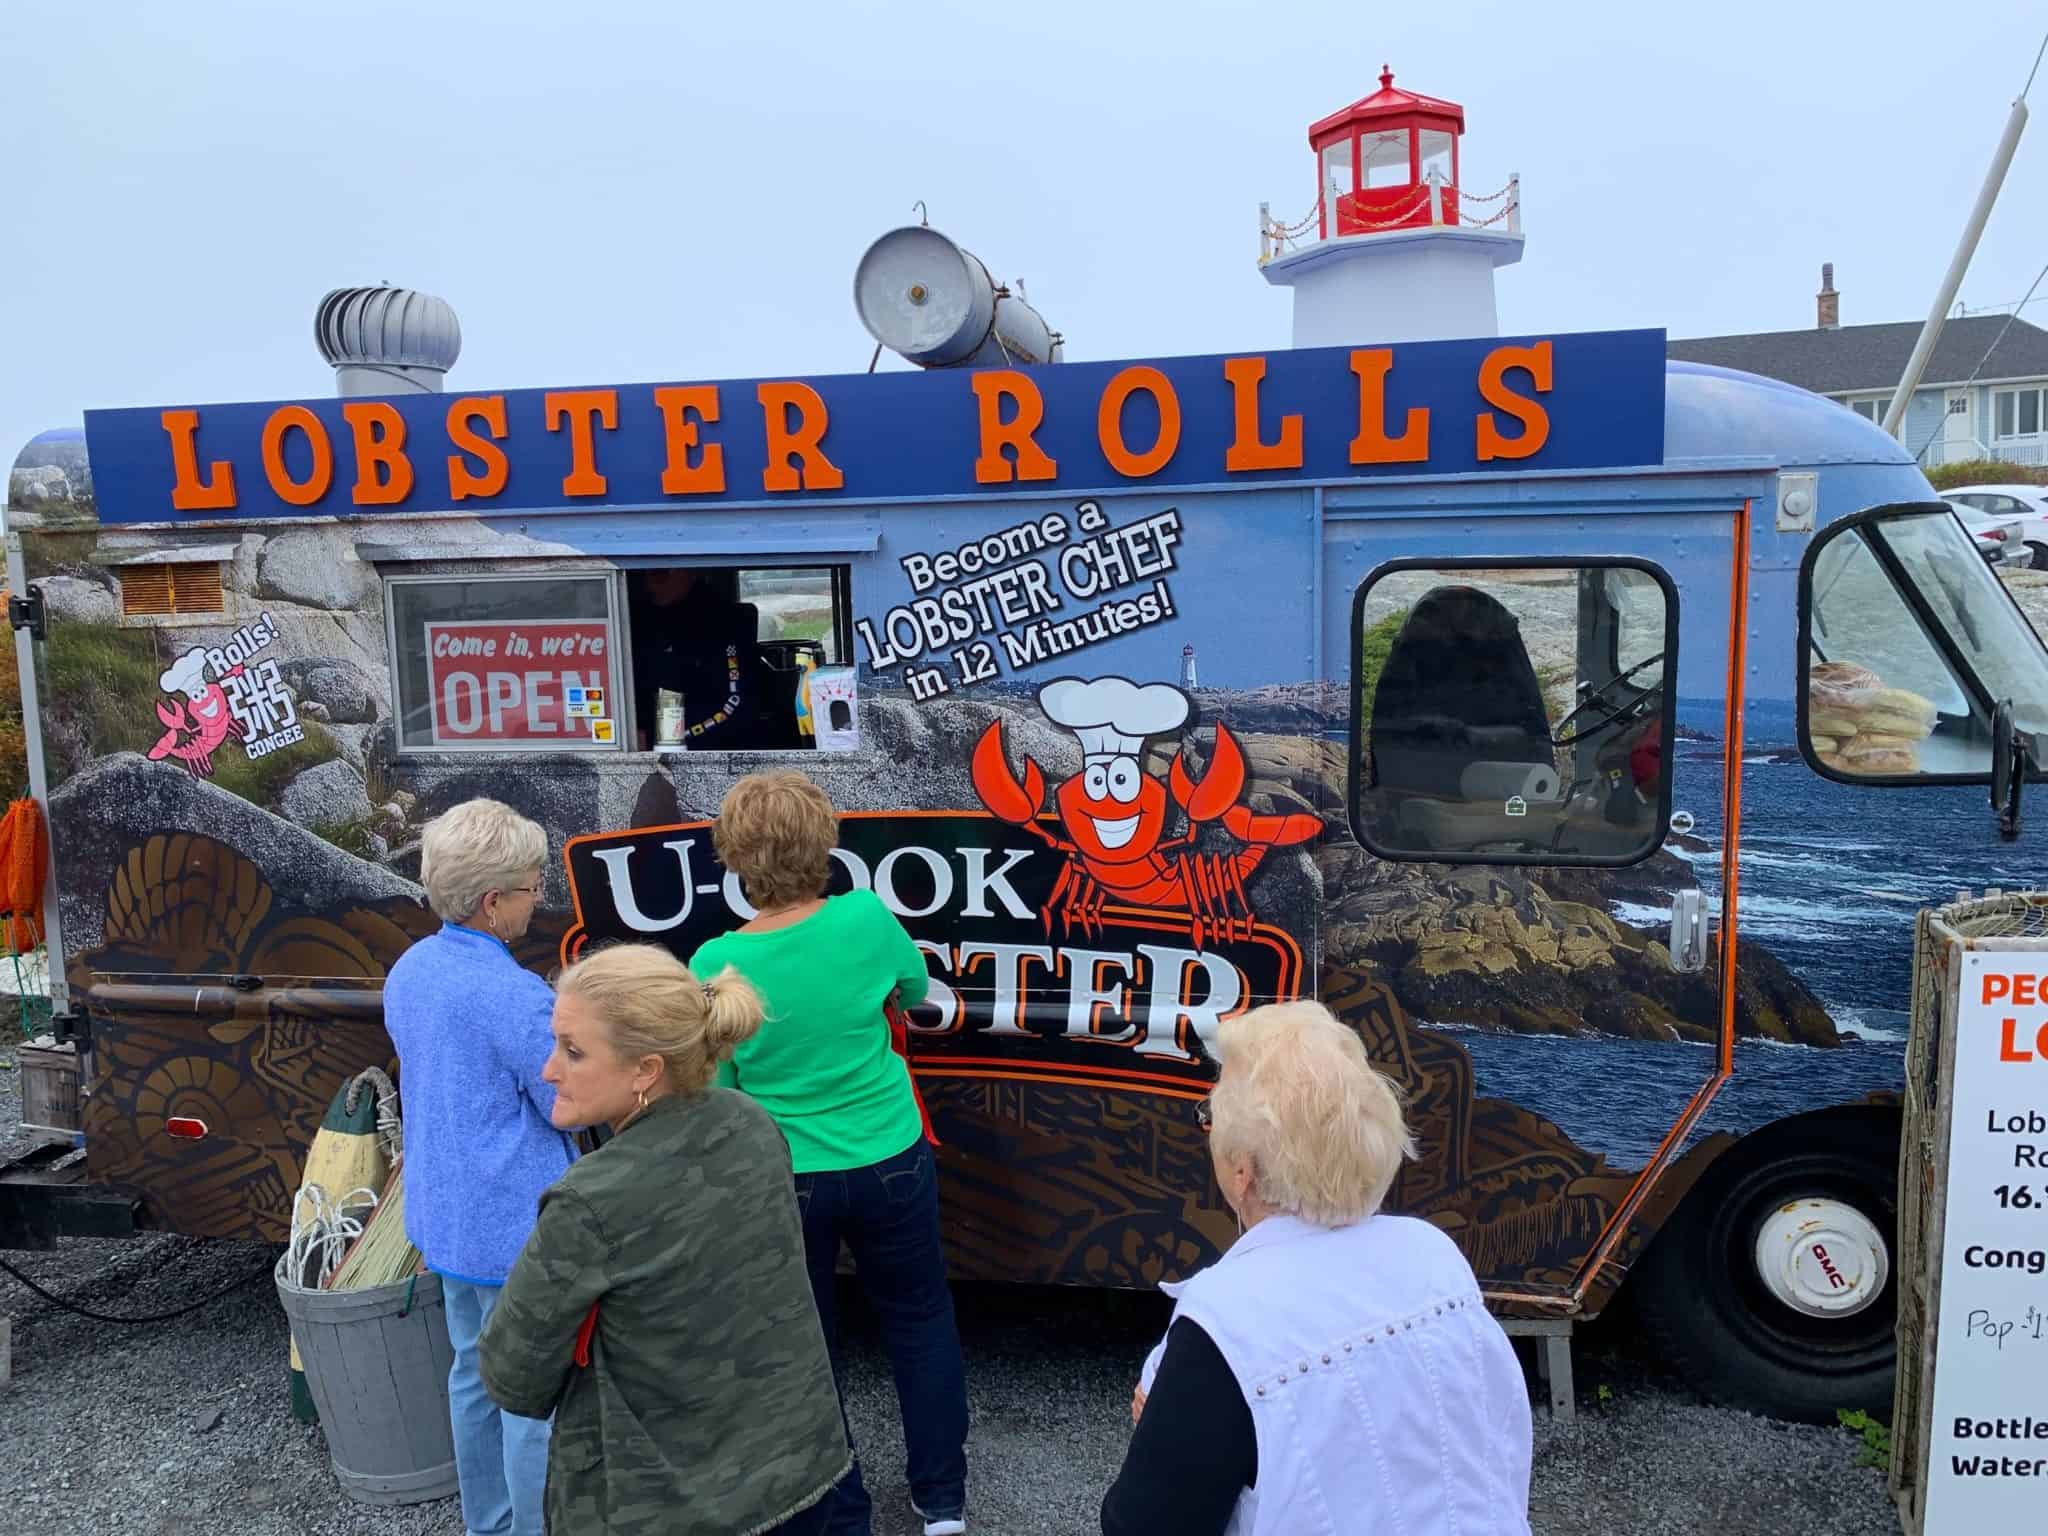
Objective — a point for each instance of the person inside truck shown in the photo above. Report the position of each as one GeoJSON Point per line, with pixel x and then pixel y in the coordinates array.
{"type": "Point", "coordinates": [691, 635]}
{"type": "Point", "coordinates": [471, 1026]}
{"type": "Point", "coordinates": [1335, 1361]}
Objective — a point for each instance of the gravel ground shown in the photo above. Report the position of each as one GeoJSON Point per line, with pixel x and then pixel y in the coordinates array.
{"type": "Point", "coordinates": [183, 1428]}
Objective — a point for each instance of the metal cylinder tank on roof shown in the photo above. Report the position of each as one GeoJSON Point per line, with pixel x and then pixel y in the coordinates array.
{"type": "Point", "coordinates": [387, 341]}
{"type": "Point", "coordinates": [928, 300]}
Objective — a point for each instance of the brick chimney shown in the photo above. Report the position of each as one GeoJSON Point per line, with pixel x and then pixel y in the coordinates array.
{"type": "Point", "coordinates": [1829, 315]}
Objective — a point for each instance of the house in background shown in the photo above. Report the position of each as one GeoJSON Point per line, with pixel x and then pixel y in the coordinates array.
{"type": "Point", "coordinates": [2000, 414]}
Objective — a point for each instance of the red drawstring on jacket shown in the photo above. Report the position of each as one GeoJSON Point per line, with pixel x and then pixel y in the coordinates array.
{"type": "Point", "coordinates": [899, 1036]}
{"type": "Point", "coordinates": [583, 1335]}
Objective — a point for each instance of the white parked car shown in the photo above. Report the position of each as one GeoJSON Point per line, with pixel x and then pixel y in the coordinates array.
{"type": "Point", "coordinates": [1998, 542]}
{"type": "Point", "coordinates": [2001, 505]}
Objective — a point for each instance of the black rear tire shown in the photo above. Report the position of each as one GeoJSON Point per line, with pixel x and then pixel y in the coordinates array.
{"type": "Point", "coordinates": [1706, 1308]}
{"type": "Point", "coordinates": [2039, 562]}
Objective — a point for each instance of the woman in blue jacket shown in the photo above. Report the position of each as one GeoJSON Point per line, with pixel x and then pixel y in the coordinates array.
{"type": "Point", "coordinates": [472, 1030]}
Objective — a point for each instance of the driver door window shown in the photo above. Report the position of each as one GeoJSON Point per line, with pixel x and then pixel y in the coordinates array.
{"type": "Point", "coordinates": [1911, 645]}
{"type": "Point", "coordinates": [1513, 713]}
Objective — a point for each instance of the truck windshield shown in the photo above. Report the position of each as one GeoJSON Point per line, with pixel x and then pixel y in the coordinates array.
{"type": "Point", "coordinates": [1913, 642]}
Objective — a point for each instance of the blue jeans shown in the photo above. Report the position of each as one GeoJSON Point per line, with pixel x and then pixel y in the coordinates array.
{"type": "Point", "coordinates": [501, 1460]}
{"type": "Point", "coordinates": [888, 1215]}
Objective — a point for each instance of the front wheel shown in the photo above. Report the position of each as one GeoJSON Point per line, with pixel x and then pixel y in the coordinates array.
{"type": "Point", "coordinates": [1774, 1287]}
{"type": "Point", "coordinates": [2039, 556]}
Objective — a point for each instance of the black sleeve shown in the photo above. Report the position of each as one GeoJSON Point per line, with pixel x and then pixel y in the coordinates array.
{"type": "Point", "coordinates": [1194, 1450]}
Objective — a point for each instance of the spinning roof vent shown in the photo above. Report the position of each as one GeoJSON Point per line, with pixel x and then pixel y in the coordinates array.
{"type": "Point", "coordinates": [387, 341]}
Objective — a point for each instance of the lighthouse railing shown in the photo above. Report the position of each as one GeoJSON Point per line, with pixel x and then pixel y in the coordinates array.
{"type": "Point", "coordinates": [1508, 213]}
{"type": "Point", "coordinates": [1277, 239]}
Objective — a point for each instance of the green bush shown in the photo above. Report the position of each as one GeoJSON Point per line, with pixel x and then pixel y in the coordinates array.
{"type": "Point", "coordinates": [102, 680]}
{"type": "Point", "coordinates": [13, 733]}
{"type": "Point", "coordinates": [1876, 1449]}
{"type": "Point", "coordinates": [349, 836]}
{"type": "Point", "coordinates": [1945, 477]}
{"type": "Point", "coordinates": [259, 780]}
{"type": "Point", "coordinates": [1374, 646]}
{"type": "Point", "coordinates": [808, 626]}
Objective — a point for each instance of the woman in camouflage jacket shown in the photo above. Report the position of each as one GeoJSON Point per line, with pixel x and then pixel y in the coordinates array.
{"type": "Point", "coordinates": [661, 1311]}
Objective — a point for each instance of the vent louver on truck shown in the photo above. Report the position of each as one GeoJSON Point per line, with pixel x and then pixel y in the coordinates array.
{"type": "Point", "coordinates": [148, 590]}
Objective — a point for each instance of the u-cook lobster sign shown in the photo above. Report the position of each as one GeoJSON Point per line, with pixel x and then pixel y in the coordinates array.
{"type": "Point", "coordinates": [1106, 929]}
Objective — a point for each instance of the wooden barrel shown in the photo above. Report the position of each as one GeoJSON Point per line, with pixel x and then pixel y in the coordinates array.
{"type": "Point", "coordinates": [377, 1362]}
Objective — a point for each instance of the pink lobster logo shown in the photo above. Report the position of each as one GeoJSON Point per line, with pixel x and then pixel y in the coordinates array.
{"type": "Point", "coordinates": [197, 717]}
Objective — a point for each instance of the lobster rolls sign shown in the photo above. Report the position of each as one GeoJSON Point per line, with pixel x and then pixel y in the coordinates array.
{"type": "Point", "coordinates": [1100, 929]}
{"type": "Point", "coordinates": [1307, 415]}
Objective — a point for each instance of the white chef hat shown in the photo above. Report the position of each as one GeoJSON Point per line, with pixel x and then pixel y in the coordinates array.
{"type": "Point", "coordinates": [186, 675]}
{"type": "Point", "coordinates": [1113, 716]}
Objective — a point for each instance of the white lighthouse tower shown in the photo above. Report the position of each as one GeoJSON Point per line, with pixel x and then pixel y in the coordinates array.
{"type": "Point", "coordinates": [1187, 668]}
{"type": "Point", "coordinates": [1395, 249]}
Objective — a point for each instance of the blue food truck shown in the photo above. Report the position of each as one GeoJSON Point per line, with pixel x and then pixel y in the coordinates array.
{"type": "Point", "coordinates": [1582, 727]}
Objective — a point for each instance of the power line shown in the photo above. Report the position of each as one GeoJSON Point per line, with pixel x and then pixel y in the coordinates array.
{"type": "Point", "coordinates": [1942, 426]}
{"type": "Point", "coordinates": [153, 1317]}
{"type": "Point", "coordinates": [1964, 312]}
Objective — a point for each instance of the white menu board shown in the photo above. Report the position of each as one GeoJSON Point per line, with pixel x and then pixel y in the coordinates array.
{"type": "Point", "coordinates": [1987, 1465]}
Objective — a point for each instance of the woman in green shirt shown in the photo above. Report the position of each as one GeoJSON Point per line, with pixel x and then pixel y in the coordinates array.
{"type": "Point", "coordinates": [824, 1068]}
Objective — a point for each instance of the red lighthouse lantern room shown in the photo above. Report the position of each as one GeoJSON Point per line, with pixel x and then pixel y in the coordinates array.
{"type": "Point", "coordinates": [1387, 162]}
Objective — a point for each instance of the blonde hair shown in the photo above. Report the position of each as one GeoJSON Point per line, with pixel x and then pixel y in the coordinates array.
{"type": "Point", "coordinates": [650, 1004]}
{"type": "Point", "coordinates": [776, 831]}
{"type": "Point", "coordinates": [1323, 1128]}
{"type": "Point", "coordinates": [473, 849]}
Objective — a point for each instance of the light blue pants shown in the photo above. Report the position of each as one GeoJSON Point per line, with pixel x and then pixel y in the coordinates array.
{"type": "Point", "coordinates": [501, 1460]}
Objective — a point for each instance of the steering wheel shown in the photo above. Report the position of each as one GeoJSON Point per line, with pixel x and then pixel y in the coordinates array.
{"type": "Point", "coordinates": [1610, 714]}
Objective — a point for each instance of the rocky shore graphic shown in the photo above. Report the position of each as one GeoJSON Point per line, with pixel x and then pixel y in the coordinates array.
{"type": "Point", "coordinates": [1532, 951]}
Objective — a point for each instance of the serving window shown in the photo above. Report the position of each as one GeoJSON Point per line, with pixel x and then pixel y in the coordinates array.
{"type": "Point", "coordinates": [1513, 712]}
{"type": "Point", "coordinates": [677, 658]}
{"type": "Point", "coordinates": [721, 657]}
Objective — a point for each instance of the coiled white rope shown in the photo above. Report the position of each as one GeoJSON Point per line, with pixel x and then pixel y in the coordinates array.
{"type": "Point", "coordinates": [322, 1231]}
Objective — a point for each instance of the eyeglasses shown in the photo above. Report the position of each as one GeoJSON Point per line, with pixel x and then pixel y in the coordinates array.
{"type": "Point", "coordinates": [1204, 1116]}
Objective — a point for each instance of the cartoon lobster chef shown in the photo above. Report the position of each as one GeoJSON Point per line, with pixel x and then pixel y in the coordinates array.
{"type": "Point", "coordinates": [197, 718]}
{"type": "Point", "coordinates": [1114, 814]}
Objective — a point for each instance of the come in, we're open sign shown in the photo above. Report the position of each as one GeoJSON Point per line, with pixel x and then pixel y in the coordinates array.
{"type": "Point", "coordinates": [494, 683]}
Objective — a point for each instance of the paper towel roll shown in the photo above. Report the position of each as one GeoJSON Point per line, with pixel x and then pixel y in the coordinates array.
{"type": "Point", "coordinates": [1503, 781]}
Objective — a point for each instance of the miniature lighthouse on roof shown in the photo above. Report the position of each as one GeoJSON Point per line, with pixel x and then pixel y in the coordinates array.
{"type": "Point", "coordinates": [1394, 249]}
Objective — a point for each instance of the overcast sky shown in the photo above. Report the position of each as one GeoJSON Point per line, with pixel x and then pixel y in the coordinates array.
{"type": "Point", "coordinates": [611, 192]}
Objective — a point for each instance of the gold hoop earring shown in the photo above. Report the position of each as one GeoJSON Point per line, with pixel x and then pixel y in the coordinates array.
{"type": "Point", "coordinates": [641, 1097]}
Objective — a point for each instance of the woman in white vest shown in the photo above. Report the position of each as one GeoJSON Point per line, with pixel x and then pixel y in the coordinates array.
{"type": "Point", "coordinates": [1336, 1371]}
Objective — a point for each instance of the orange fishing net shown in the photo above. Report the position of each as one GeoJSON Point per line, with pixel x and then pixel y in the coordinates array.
{"type": "Point", "coordinates": [24, 850]}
